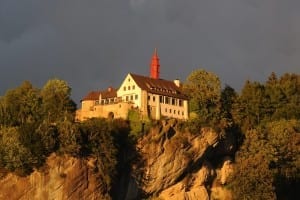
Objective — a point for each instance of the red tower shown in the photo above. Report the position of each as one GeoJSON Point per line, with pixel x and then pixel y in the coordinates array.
{"type": "Point", "coordinates": [154, 68]}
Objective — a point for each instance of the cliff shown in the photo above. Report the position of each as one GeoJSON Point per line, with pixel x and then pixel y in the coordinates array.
{"type": "Point", "coordinates": [181, 165]}
{"type": "Point", "coordinates": [169, 164]}
{"type": "Point", "coordinates": [63, 177]}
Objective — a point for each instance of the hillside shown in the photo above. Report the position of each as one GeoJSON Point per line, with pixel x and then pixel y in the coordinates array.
{"type": "Point", "coordinates": [170, 165]}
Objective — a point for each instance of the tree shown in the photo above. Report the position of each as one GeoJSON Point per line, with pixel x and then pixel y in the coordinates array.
{"type": "Point", "coordinates": [97, 140]}
{"type": "Point", "coordinates": [268, 162]}
{"type": "Point", "coordinates": [251, 107]}
{"type": "Point", "coordinates": [20, 105]}
{"type": "Point", "coordinates": [57, 103]}
{"type": "Point", "coordinates": [14, 155]}
{"type": "Point", "coordinates": [70, 140]}
{"type": "Point", "coordinates": [204, 91]}
{"type": "Point", "coordinates": [290, 85]}
{"type": "Point", "coordinates": [228, 99]}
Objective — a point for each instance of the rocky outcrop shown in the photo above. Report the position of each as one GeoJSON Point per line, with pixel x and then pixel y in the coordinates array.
{"type": "Point", "coordinates": [226, 170]}
{"type": "Point", "coordinates": [176, 165]}
{"type": "Point", "coordinates": [171, 163]}
{"type": "Point", "coordinates": [63, 177]}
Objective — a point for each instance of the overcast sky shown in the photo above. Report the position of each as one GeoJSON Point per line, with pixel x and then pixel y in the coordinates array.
{"type": "Point", "coordinates": [93, 44]}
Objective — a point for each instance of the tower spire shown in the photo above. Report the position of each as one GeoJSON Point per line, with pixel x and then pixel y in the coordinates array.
{"type": "Point", "coordinates": [154, 67]}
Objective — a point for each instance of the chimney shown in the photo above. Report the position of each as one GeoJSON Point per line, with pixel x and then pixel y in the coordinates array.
{"type": "Point", "coordinates": [154, 67]}
{"type": "Point", "coordinates": [177, 82]}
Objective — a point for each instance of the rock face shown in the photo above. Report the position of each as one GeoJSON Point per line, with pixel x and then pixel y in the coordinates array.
{"type": "Point", "coordinates": [177, 165]}
{"type": "Point", "coordinates": [63, 178]}
{"type": "Point", "coordinates": [171, 164]}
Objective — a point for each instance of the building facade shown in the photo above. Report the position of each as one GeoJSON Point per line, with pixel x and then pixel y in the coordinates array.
{"type": "Point", "coordinates": [151, 96]}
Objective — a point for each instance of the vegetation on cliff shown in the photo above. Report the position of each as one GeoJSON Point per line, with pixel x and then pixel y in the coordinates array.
{"type": "Point", "coordinates": [267, 163]}
{"type": "Point", "coordinates": [263, 119]}
{"type": "Point", "coordinates": [36, 122]}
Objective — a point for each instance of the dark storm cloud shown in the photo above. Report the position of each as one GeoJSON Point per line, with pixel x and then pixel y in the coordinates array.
{"type": "Point", "coordinates": [93, 44]}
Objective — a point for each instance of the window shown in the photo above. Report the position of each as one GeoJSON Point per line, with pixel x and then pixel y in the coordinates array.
{"type": "Point", "coordinates": [174, 111]}
{"type": "Point", "coordinates": [153, 98]}
{"type": "Point", "coordinates": [178, 112]}
{"type": "Point", "coordinates": [170, 110]}
{"type": "Point", "coordinates": [180, 102]}
{"type": "Point", "coordinates": [128, 87]}
{"type": "Point", "coordinates": [182, 113]}
{"type": "Point", "coordinates": [131, 97]}
{"type": "Point", "coordinates": [148, 97]}
{"type": "Point", "coordinates": [126, 98]}
{"type": "Point", "coordinates": [166, 110]}
{"type": "Point", "coordinates": [167, 100]}
{"type": "Point", "coordinates": [173, 101]}
{"type": "Point", "coordinates": [128, 79]}
{"type": "Point", "coordinates": [133, 87]}
{"type": "Point", "coordinates": [124, 88]}
{"type": "Point", "coordinates": [136, 97]}
{"type": "Point", "coordinates": [160, 99]}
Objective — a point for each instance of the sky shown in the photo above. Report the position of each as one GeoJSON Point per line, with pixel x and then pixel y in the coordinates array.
{"type": "Point", "coordinates": [93, 44]}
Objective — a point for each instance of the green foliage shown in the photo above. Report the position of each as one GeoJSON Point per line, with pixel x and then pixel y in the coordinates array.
{"type": "Point", "coordinates": [56, 102]}
{"type": "Point", "coordinates": [36, 122]}
{"type": "Point", "coordinates": [253, 179]}
{"type": "Point", "coordinates": [284, 96]}
{"type": "Point", "coordinates": [69, 138]}
{"type": "Point", "coordinates": [14, 155]}
{"type": "Point", "coordinates": [259, 103]}
{"type": "Point", "coordinates": [204, 91]}
{"type": "Point", "coordinates": [138, 124]}
{"type": "Point", "coordinates": [228, 98]}
{"type": "Point", "coordinates": [268, 156]}
{"type": "Point", "coordinates": [250, 108]}
{"type": "Point", "coordinates": [48, 135]}
{"type": "Point", "coordinates": [97, 140]}
{"type": "Point", "coordinates": [20, 105]}
{"type": "Point", "coordinates": [193, 125]}
{"type": "Point", "coordinates": [28, 118]}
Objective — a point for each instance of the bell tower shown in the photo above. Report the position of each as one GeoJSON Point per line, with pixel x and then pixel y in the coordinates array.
{"type": "Point", "coordinates": [154, 67]}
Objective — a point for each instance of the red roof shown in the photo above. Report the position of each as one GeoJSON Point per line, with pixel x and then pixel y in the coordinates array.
{"type": "Point", "coordinates": [94, 95]}
{"type": "Point", "coordinates": [158, 86]}
{"type": "Point", "coordinates": [109, 93]}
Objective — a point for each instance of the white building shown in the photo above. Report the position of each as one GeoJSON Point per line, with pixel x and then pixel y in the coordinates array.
{"type": "Point", "coordinates": [152, 96]}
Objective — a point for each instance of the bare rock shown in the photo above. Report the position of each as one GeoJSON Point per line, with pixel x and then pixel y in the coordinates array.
{"type": "Point", "coordinates": [64, 178]}
{"type": "Point", "coordinates": [211, 136]}
{"type": "Point", "coordinates": [226, 170]}
{"type": "Point", "coordinates": [166, 158]}
{"type": "Point", "coordinates": [179, 192]}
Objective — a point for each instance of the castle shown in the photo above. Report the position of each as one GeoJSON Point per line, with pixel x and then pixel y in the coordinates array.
{"type": "Point", "coordinates": [150, 96]}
